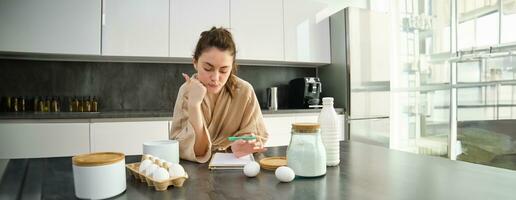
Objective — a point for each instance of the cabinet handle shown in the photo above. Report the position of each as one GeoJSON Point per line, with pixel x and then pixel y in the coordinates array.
{"type": "Point", "coordinates": [169, 126]}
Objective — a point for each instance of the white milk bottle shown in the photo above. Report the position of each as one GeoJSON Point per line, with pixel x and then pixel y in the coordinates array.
{"type": "Point", "coordinates": [329, 132]}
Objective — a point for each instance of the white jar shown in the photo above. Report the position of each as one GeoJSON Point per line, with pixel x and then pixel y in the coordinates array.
{"type": "Point", "coordinates": [305, 152]}
{"type": "Point", "coordinates": [99, 175]}
{"type": "Point", "coordinates": [330, 132]}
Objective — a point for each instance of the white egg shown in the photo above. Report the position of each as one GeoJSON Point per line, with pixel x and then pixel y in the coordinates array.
{"type": "Point", "coordinates": [150, 157]}
{"type": "Point", "coordinates": [285, 174]}
{"type": "Point", "coordinates": [144, 165]}
{"type": "Point", "coordinates": [160, 174]}
{"type": "Point", "coordinates": [150, 170]}
{"type": "Point", "coordinates": [176, 170]}
{"type": "Point", "coordinates": [167, 165]}
{"type": "Point", "coordinates": [146, 157]}
{"type": "Point", "coordinates": [159, 162]}
{"type": "Point", "coordinates": [252, 169]}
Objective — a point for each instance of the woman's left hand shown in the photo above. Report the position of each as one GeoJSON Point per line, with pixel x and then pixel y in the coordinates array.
{"type": "Point", "coordinates": [244, 147]}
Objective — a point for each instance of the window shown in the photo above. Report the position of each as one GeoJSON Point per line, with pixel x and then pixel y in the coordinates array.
{"type": "Point", "coordinates": [508, 19]}
{"type": "Point", "coordinates": [477, 23]}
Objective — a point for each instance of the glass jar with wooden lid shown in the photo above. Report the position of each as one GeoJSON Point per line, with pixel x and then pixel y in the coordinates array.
{"type": "Point", "coordinates": [306, 154]}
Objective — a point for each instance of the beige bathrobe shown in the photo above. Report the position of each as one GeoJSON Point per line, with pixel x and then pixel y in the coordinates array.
{"type": "Point", "coordinates": [231, 116]}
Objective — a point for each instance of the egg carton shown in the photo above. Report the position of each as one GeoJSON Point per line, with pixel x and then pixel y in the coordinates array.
{"type": "Point", "coordinates": [158, 185]}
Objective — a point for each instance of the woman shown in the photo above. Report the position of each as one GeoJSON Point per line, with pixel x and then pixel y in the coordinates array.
{"type": "Point", "coordinates": [214, 103]}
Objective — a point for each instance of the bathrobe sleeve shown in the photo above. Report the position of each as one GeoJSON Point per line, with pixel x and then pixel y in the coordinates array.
{"type": "Point", "coordinates": [183, 131]}
{"type": "Point", "coordinates": [252, 120]}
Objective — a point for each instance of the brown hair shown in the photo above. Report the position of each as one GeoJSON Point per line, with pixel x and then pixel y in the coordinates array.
{"type": "Point", "coordinates": [222, 39]}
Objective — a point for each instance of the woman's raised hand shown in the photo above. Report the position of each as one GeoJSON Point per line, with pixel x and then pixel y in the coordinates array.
{"type": "Point", "coordinates": [244, 147]}
{"type": "Point", "coordinates": [195, 89]}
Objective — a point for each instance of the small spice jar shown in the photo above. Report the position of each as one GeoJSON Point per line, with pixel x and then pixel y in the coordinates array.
{"type": "Point", "coordinates": [306, 154]}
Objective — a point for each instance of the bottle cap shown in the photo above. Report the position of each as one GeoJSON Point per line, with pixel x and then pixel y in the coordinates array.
{"type": "Point", "coordinates": [327, 100]}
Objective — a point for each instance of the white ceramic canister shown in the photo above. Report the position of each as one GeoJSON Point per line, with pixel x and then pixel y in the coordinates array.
{"type": "Point", "coordinates": [99, 175]}
{"type": "Point", "coordinates": [164, 149]}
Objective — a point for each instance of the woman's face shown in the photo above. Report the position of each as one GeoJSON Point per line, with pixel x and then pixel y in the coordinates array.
{"type": "Point", "coordinates": [214, 68]}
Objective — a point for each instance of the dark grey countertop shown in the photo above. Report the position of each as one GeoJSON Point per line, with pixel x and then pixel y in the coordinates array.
{"type": "Point", "coordinates": [365, 172]}
{"type": "Point", "coordinates": [126, 114]}
{"type": "Point", "coordinates": [85, 115]}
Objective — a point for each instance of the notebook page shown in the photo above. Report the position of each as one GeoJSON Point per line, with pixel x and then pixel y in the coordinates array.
{"type": "Point", "coordinates": [228, 159]}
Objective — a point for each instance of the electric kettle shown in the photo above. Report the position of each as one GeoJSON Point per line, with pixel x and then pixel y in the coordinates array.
{"type": "Point", "coordinates": [272, 98]}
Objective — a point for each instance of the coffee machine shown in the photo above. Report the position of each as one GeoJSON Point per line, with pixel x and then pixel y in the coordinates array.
{"type": "Point", "coordinates": [304, 92]}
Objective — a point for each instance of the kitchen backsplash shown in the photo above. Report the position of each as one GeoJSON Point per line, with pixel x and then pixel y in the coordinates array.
{"type": "Point", "coordinates": [127, 86]}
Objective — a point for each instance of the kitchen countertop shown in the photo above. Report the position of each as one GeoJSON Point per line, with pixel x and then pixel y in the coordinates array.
{"type": "Point", "coordinates": [365, 172]}
{"type": "Point", "coordinates": [127, 114]}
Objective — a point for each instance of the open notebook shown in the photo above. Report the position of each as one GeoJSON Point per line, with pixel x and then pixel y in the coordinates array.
{"type": "Point", "coordinates": [229, 161]}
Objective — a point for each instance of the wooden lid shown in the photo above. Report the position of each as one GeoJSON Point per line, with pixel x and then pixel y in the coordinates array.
{"type": "Point", "coordinates": [305, 127]}
{"type": "Point", "coordinates": [271, 163]}
{"type": "Point", "coordinates": [97, 159]}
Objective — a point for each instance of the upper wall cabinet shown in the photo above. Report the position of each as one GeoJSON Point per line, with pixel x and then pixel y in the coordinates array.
{"type": "Point", "coordinates": [282, 31]}
{"type": "Point", "coordinates": [307, 39]}
{"type": "Point", "coordinates": [135, 28]}
{"type": "Point", "coordinates": [257, 28]}
{"type": "Point", "coordinates": [50, 26]}
{"type": "Point", "coordinates": [188, 18]}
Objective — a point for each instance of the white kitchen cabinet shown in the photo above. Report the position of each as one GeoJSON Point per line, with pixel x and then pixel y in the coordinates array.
{"type": "Point", "coordinates": [135, 28]}
{"type": "Point", "coordinates": [307, 38]}
{"type": "Point", "coordinates": [188, 18]}
{"type": "Point", "coordinates": [308, 118]}
{"type": "Point", "coordinates": [50, 26]}
{"type": "Point", "coordinates": [313, 118]}
{"type": "Point", "coordinates": [279, 126]}
{"type": "Point", "coordinates": [126, 137]}
{"type": "Point", "coordinates": [257, 28]}
{"type": "Point", "coordinates": [33, 140]}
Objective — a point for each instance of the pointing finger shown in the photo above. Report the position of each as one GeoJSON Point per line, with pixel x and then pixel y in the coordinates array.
{"type": "Point", "coordinates": [187, 78]}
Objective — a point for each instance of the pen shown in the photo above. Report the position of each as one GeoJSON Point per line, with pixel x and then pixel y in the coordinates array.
{"type": "Point", "coordinates": [235, 138]}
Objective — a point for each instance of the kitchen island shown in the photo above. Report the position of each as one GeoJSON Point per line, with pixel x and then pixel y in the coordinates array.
{"type": "Point", "coordinates": [365, 172]}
